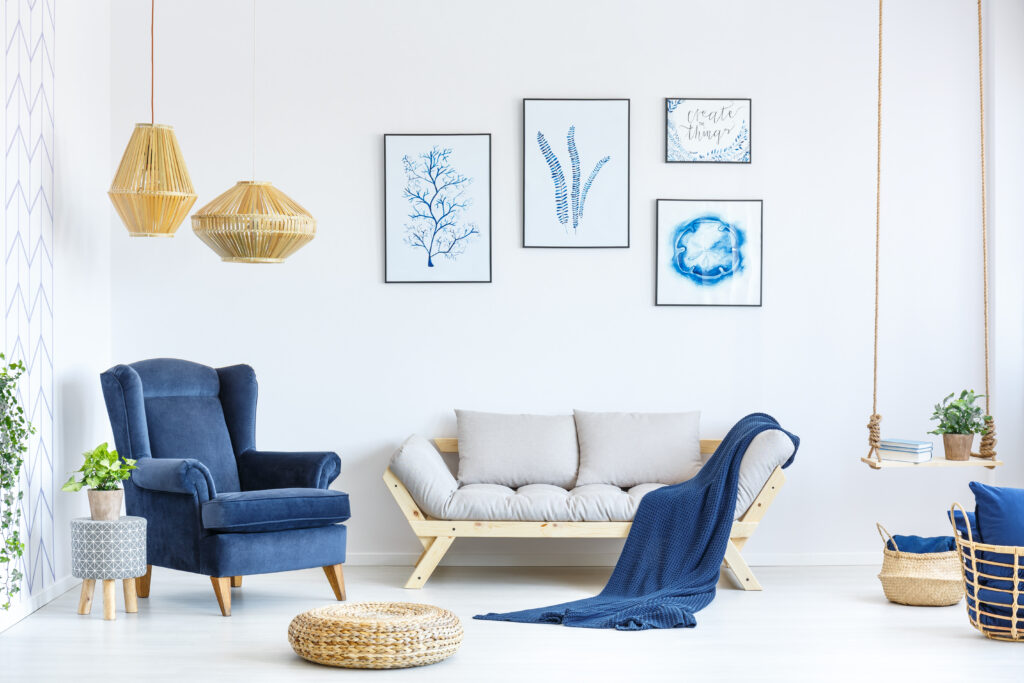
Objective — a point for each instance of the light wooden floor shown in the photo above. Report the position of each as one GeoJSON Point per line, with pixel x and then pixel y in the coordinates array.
{"type": "Point", "coordinates": [810, 623]}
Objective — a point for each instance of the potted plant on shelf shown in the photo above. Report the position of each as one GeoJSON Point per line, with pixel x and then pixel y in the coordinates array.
{"type": "Point", "coordinates": [103, 471]}
{"type": "Point", "coordinates": [959, 420]}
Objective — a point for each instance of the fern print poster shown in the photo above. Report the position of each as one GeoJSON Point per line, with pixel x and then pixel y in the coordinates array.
{"type": "Point", "coordinates": [708, 252]}
{"type": "Point", "coordinates": [707, 131]}
{"type": "Point", "coordinates": [437, 208]}
{"type": "Point", "coordinates": [575, 173]}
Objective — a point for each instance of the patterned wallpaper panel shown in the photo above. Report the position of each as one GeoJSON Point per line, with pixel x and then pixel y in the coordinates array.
{"type": "Point", "coordinates": [27, 259]}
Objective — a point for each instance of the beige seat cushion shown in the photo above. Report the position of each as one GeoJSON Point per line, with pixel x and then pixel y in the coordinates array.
{"type": "Point", "coordinates": [626, 449]}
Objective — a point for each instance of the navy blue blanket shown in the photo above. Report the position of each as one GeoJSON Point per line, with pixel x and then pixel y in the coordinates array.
{"type": "Point", "coordinates": [669, 566]}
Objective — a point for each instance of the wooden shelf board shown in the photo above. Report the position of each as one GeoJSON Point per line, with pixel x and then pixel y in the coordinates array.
{"type": "Point", "coordinates": [988, 463]}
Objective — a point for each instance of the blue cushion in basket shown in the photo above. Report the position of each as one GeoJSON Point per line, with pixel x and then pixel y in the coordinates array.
{"type": "Point", "coordinates": [1000, 521]}
{"type": "Point", "coordinates": [922, 544]}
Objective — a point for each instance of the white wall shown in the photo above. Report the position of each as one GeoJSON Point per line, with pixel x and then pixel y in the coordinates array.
{"type": "Point", "coordinates": [81, 272]}
{"type": "Point", "coordinates": [348, 363]}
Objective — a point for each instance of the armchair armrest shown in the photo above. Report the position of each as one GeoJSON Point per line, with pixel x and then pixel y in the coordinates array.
{"type": "Point", "coordinates": [175, 475]}
{"type": "Point", "coordinates": [422, 470]}
{"type": "Point", "coordinates": [259, 470]}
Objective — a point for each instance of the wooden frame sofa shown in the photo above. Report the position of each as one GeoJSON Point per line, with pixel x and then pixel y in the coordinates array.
{"type": "Point", "coordinates": [437, 535]}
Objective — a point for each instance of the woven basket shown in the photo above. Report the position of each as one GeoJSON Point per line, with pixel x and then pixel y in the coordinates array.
{"type": "Point", "coordinates": [1000, 598]}
{"type": "Point", "coordinates": [920, 579]}
{"type": "Point", "coordinates": [376, 635]}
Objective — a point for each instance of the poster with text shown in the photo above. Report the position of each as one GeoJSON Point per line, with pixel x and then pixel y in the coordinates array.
{"type": "Point", "coordinates": [707, 131]}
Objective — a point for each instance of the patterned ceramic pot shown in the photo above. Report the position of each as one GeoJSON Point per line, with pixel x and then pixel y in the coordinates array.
{"type": "Point", "coordinates": [957, 446]}
{"type": "Point", "coordinates": [105, 506]}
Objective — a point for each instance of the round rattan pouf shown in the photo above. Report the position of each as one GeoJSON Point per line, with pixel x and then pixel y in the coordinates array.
{"type": "Point", "coordinates": [376, 635]}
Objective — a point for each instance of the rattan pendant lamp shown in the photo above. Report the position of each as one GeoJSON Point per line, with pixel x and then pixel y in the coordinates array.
{"type": "Point", "coordinates": [254, 222]}
{"type": "Point", "coordinates": [151, 190]}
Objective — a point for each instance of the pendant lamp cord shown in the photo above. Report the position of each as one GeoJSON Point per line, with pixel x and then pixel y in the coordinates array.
{"type": "Point", "coordinates": [988, 438]}
{"type": "Point", "coordinates": [254, 90]}
{"type": "Point", "coordinates": [152, 68]}
{"type": "Point", "coordinates": [874, 423]}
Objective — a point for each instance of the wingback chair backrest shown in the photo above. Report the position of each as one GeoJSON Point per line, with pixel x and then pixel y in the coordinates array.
{"type": "Point", "coordinates": [169, 408]}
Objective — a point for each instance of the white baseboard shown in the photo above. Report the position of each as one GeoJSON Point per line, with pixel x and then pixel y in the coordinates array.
{"type": "Point", "coordinates": [456, 559]}
{"type": "Point", "coordinates": [22, 609]}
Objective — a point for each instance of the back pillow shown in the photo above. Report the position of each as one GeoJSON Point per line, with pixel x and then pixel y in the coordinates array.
{"type": "Point", "coordinates": [516, 450]}
{"type": "Point", "coordinates": [626, 449]}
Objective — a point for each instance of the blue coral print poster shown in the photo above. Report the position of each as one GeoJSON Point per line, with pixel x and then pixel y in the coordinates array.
{"type": "Point", "coordinates": [707, 131]}
{"type": "Point", "coordinates": [708, 253]}
{"type": "Point", "coordinates": [437, 213]}
{"type": "Point", "coordinates": [575, 173]}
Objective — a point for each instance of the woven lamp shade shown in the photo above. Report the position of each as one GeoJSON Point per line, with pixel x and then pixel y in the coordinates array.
{"type": "Point", "coordinates": [254, 222]}
{"type": "Point", "coordinates": [152, 191]}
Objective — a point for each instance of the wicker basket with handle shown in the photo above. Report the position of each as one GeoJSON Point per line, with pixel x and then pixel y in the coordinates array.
{"type": "Point", "coordinates": [985, 570]}
{"type": "Point", "coordinates": [920, 579]}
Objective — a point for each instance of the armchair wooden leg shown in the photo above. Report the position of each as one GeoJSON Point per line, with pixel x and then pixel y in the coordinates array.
{"type": "Point", "coordinates": [222, 587]}
{"type": "Point", "coordinates": [85, 599]}
{"type": "Point", "coordinates": [142, 582]}
{"type": "Point", "coordinates": [236, 581]}
{"type": "Point", "coordinates": [337, 580]}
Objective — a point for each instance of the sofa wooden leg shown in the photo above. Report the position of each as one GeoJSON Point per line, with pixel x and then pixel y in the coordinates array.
{"type": "Point", "coordinates": [222, 587]}
{"type": "Point", "coordinates": [142, 582]}
{"type": "Point", "coordinates": [734, 561]}
{"type": "Point", "coordinates": [85, 599]}
{"type": "Point", "coordinates": [337, 579]}
{"type": "Point", "coordinates": [236, 581]}
{"type": "Point", "coordinates": [429, 560]}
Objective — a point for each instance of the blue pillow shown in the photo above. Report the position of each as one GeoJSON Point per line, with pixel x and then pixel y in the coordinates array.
{"type": "Point", "coordinates": [922, 544]}
{"type": "Point", "coordinates": [999, 513]}
{"type": "Point", "coordinates": [961, 526]}
{"type": "Point", "coordinates": [999, 516]}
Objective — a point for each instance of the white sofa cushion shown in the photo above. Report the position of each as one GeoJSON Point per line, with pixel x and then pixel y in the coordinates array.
{"type": "Point", "coordinates": [517, 450]}
{"type": "Point", "coordinates": [419, 466]}
{"type": "Point", "coordinates": [627, 449]}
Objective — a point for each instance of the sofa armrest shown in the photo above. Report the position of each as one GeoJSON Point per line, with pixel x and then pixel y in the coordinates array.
{"type": "Point", "coordinates": [422, 470]}
{"type": "Point", "coordinates": [259, 470]}
{"type": "Point", "coordinates": [175, 475]}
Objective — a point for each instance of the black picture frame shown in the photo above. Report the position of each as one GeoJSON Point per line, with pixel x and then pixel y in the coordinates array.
{"type": "Point", "coordinates": [629, 169]}
{"type": "Point", "coordinates": [760, 255]}
{"type": "Point", "coordinates": [750, 144]}
{"type": "Point", "coordinates": [490, 208]}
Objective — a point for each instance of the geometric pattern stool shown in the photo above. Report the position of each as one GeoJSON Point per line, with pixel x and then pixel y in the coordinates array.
{"type": "Point", "coordinates": [107, 551]}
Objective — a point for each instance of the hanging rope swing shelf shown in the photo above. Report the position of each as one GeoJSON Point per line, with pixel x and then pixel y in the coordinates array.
{"type": "Point", "coordinates": [987, 457]}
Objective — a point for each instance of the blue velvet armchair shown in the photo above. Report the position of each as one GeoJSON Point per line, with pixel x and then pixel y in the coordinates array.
{"type": "Point", "coordinates": [214, 504]}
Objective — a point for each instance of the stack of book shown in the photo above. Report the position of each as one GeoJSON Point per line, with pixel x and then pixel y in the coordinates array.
{"type": "Point", "coordinates": [905, 450]}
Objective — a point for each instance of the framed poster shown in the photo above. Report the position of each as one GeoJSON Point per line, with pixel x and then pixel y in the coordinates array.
{"type": "Point", "coordinates": [708, 252]}
{"type": "Point", "coordinates": [575, 173]}
{"type": "Point", "coordinates": [707, 131]}
{"type": "Point", "coordinates": [437, 208]}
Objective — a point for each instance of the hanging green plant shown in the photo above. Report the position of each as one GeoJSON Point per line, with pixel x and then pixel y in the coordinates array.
{"type": "Point", "coordinates": [14, 433]}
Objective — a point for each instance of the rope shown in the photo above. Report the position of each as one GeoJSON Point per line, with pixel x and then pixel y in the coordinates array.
{"type": "Point", "coordinates": [988, 440]}
{"type": "Point", "coordinates": [874, 424]}
{"type": "Point", "coordinates": [152, 80]}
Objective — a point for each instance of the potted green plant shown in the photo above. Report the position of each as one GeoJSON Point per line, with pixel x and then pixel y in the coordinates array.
{"type": "Point", "coordinates": [959, 420]}
{"type": "Point", "coordinates": [103, 471]}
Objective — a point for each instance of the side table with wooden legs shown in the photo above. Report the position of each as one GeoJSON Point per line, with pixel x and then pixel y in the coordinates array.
{"type": "Point", "coordinates": [107, 552]}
